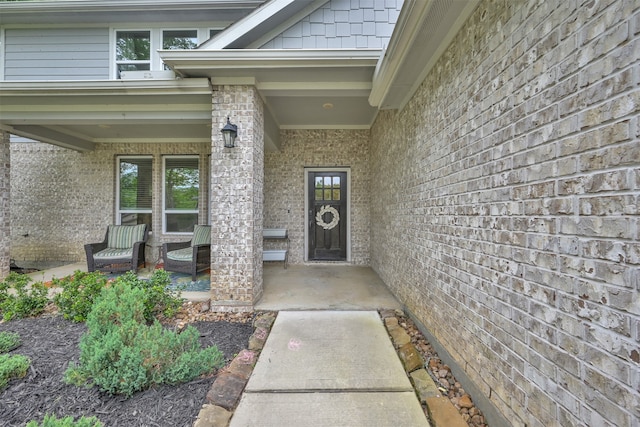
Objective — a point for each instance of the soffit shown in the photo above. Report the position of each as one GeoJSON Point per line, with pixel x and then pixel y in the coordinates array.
{"type": "Point", "coordinates": [302, 89]}
{"type": "Point", "coordinates": [424, 30]}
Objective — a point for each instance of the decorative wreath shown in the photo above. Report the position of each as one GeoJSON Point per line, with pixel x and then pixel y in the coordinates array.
{"type": "Point", "coordinates": [334, 221]}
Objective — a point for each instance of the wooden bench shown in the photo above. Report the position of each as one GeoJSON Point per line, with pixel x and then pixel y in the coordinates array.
{"type": "Point", "coordinates": [276, 254]}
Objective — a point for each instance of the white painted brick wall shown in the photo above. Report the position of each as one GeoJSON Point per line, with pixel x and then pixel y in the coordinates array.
{"type": "Point", "coordinates": [509, 214]}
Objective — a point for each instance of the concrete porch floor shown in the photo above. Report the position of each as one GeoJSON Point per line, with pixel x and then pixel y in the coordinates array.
{"type": "Point", "coordinates": [324, 287]}
{"type": "Point", "coordinates": [299, 287]}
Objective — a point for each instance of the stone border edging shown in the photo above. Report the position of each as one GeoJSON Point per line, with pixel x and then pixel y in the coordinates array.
{"type": "Point", "coordinates": [225, 393]}
{"type": "Point", "coordinates": [440, 410]}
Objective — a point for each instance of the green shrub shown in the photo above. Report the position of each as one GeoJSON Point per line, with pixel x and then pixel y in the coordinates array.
{"type": "Point", "coordinates": [159, 298]}
{"type": "Point", "coordinates": [52, 421]}
{"type": "Point", "coordinates": [12, 366]}
{"type": "Point", "coordinates": [9, 341]}
{"type": "Point", "coordinates": [121, 354]}
{"type": "Point", "coordinates": [78, 294]}
{"type": "Point", "coordinates": [25, 300]}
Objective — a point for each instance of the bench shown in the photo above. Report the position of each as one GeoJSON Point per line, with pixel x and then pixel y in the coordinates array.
{"type": "Point", "coordinates": [276, 254]}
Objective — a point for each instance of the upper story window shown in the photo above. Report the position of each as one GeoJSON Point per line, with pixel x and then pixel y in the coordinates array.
{"type": "Point", "coordinates": [133, 51]}
{"type": "Point", "coordinates": [179, 39]}
{"type": "Point", "coordinates": [136, 49]}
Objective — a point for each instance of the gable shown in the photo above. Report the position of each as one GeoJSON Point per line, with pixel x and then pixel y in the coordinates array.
{"type": "Point", "coordinates": [312, 24]}
{"type": "Point", "coordinates": [340, 24]}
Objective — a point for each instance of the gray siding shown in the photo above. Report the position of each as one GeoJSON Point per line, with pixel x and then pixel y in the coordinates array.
{"type": "Point", "coordinates": [342, 24]}
{"type": "Point", "coordinates": [57, 54]}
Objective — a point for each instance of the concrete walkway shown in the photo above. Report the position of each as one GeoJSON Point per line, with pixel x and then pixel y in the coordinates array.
{"type": "Point", "coordinates": [328, 368]}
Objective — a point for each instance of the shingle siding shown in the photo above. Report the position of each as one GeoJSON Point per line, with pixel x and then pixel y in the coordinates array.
{"type": "Point", "coordinates": [506, 208]}
{"type": "Point", "coordinates": [342, 24]}
{"type": "Point", "coordinates": [56, 54]}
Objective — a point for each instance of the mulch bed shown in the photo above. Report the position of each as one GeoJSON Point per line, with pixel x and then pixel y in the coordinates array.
{"type": "Point", "coordinates": [52, 342]}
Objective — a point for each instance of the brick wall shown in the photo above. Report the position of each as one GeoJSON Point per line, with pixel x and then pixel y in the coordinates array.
{"type": "Point", "coordinates": [508, 197]}
{"type": "Point", "coordinates": [237, 199]}
{"type": "Point", "coordinates": [5, 198]}
{"type": "Point", "coordinates": [62, 199]}
{"type": "Point", "coordinates": [284, 184]}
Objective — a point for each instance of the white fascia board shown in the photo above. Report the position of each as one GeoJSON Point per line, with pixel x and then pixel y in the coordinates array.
{"type": "Point", "coordinates": [245, 25]}
{"type": "Point", "coordinates": [404, 33]}
{"type": "Point", "coordinates": [121, 5]}
{"type": "Point", "coordinates": [407, 41]}
{"type": "Point", "coordinates": [102, 87]}
{"type": "Point", "coordinates": [269, 58]}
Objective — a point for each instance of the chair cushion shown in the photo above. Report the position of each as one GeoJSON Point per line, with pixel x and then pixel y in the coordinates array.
{"type": "Point", "coordinates": [111, 253]}
{"type": "Point", "coordinates": [185, 254]}
{"type": "Point", "coordinates": [125, 236]}
{"type": "Point", "coordinates": [201, 235]}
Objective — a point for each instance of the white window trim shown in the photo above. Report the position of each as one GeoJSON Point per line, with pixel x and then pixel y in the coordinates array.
{"type": "Point", "coordinates": [119, 212]}
{"type": "Point", "coordinates": [112, 49]}
{"type": "Point", "coordinates": [155, 44]}
{"type": "Point", "coordinates": [3, 54]}
{"type": "Point", "coordinates": [179, 211]}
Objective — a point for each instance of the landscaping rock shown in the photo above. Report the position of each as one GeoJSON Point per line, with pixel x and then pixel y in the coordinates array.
{"type": "Point", "coordinates": [410, 357]}
{"type": "Point", "coordinates": [258, 339]}
{"type": "Point", "coordinates": [391, 323]}
{"type": "Point", "coordinates": [264, 321]}
{"type": "Point", "coordinates": [399, 337]}
{"type": "Point", "coordinates": [424, 385]}
{"type": "Point", "coordinates": [212, 416]}
{"type": "Point", "coordinates": [242, 365]}
{"type": "Point", "coordinates": [465, 402]}
{"type": "Point", "coordinates": [226, 391]}
{"type": "Point", "coordinates": [443, 413]}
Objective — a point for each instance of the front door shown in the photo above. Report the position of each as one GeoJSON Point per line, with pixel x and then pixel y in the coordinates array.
{"type": "Point", "coordinates": [327, 231]}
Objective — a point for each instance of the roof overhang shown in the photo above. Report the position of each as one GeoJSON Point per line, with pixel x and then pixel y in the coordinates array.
{"type": "Point", "coordinates": [302, 89]}
{"type": "Point", "coordinates": [425, 28]}
{"type": "Point", "coordinates": [136, 11]}
{"type": "Point", "coordinates": [79, 114]}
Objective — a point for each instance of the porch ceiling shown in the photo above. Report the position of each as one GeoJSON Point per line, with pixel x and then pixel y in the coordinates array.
{"type": "Point", "coordinates": [78, 115]}
{"type": "Point", "coordinates": [302, 89]}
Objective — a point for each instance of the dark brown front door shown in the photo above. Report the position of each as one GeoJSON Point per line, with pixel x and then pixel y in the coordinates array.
{"type": "Point", "coordinates": [327, 216]}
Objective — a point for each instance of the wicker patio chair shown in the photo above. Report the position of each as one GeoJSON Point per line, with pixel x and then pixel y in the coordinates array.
{"type": "Point", "coordinates": [122, 249]}
{"type": "Point", "coordinates": [189, 257]}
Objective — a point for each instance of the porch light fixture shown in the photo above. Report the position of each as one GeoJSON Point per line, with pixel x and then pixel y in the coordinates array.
{"type": "Point", "coordinates": [229, 134]}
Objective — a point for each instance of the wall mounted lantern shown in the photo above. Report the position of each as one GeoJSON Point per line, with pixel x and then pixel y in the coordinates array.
{"type": "Point", "coordinates": [229, 134]}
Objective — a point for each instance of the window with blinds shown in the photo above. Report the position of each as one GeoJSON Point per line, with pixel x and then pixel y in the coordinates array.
{"type": "Point", "coordinates": [135, 190]}
{"type": "Point", "coordinates": [181, 190]}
